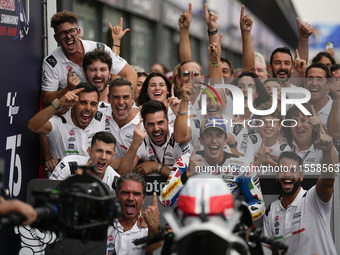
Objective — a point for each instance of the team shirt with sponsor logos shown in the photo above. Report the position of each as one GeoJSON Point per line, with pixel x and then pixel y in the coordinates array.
{"type": "Point", "coordinates": [55, 66]}
{"type": "Point", "coordinates": [304, 226]}
{"type": "Point", "coordinates": [67, 167]}
{"type": "Point", "coordinates": [66, 138]}
{"type": "Point", "coordinates": [123, 135]}
{"type": "Point", "coordinates": [121, 242]}
{"type": "Point", "coordinates": [233, 170]}
{"type": "Point", "coordinates": [165, 154]}
{"type": "Point", "coordinates": [254, 144]}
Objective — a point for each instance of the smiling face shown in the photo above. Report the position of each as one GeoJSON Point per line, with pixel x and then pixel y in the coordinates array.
{"type": "Point", "coordinates": [316, 83]}
{"type": "Point", "coordinates": [270, 128]}
{"type": "Point", "coordinates": [69, 44]}
{"type": "Point", "coordinates": [290, 180]}
{"type": "Point", "coordinates": [98, 74]}
{"type": "Point", "coordinates": [244, 83]}
{"type": "Point", "coordinates": [260, 70]}
{"type": "Point", "coordinates": [156, 126]}
{"type": "Point", "coordinates": [102, 154]}
{"type": "Point", "coordinates": [302, 132]}
{"type": "Point", "coordinates": [157, 89]}
{"type": "Point", "coordinates": [121, 100]}
{"type": "Point", "coordinates": [282, 66]}
{"type": "Point", "coordinates": [85, 109]}
{"type": "Point", "coordinates": [131, 198]}
{"type": "Point", "coordinates": [213, 140]}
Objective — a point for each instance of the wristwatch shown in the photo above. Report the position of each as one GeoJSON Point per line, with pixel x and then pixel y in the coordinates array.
{"type": "Point", "coordinates": [54, 103]}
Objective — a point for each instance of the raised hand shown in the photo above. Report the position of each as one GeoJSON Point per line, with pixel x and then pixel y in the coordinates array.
{"type": "Point", "coordinates": [315, 123]}
{"type": "Point", "coordinates": [72, 79]}
{"type": "Point", "coordinates": [139, 134]}
{"type": "Point", "coordinates": [69, 99]}
{"type": "Point", "coordinates": [117, 32]}
{"type": "Point", "coordinates": [305, 30]}
{"type": "Point", "coordinates": [299, 64]}
{"type": "Point", "coordinates": [173, 101]}
{"type": "Point", "coordinates": [215, 50]}
{"type": "Point", "coordinates": [246, 23]}
{"type": "Point", "coordinates": [211, 19]}
{"type": "Point", "coordinates": [195, 162]}
{"type": "Point", "coordinates": [185, 19]}
{"type": "Point", "coordinates": [151, 215]}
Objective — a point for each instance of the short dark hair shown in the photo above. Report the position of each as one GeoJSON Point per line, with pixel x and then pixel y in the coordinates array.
{"type": "Point", "coordinates": [88, 87]}
{"type": "Point", "coordinates": [153, 106]}
{"type": "Point", "coordinates": [282, 50]}
{"type": "Point", "coordinates": [291, 155]}
{"type": "Point", "coordinates": [131, 176]}
{"type": "Point", "coordinates": [319, 65]}
{"type": "Point", "coordinates": [118, 82]}
{"type": "Point", "coordinates": [103, 136]}
{"type": "Point", "coordinates": [143, 96]}
{"type": "Point", "coordinates": [326, 54]}
{"type": "Point", "coordinates": [263, 95]}
{"type": "Point", "coordinates": [335, 67]}
{"type": "Point", "coordinates": [139, 74]}
{"type": "Point", "coordinates": [231, 67]}
{"type": "Point", "coordinates": [63, 17]}
{"type": "Point", "coordinates": [94, 55]}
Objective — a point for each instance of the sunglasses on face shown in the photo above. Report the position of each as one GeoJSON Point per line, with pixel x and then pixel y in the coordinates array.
{"type": "Point", "coordinates": [73, 32]}
{"type": "Point", "coordinates": [193, 73]}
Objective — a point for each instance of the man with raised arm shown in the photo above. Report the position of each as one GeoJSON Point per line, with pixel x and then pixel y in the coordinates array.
{"type": "Point", "coordinates": [70, 133]}
{"type": "Point", "coordinates": [68, 58]}
{"type": "Point", "coordinates": [130, 190]}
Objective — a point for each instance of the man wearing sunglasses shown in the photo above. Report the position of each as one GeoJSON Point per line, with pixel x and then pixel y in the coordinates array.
{"type": "Point", "coordinates": [63, 68]}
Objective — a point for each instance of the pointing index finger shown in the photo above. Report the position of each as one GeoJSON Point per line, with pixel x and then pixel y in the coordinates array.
{"type": "Point", "coordinates": [121, 22]}
{"type": "Point", "coordinates": [314, 112]}
{"type": "Point", "coordinates": [139, 124]}
{"type": "Point", "coordinates": [155, 203]}
{"type": "Point", "coordinates": [297, 54]}
{"type": "Point", "coordinates": [172, 90]}
{"type": "Point", "coordinates": [76, 91]}
{"type": "Point", "coordinates": [206, 10]}
{"type": "Point", "coordinates": [242, 12]}
{"type": "Point", "coordinates": [190, 8]}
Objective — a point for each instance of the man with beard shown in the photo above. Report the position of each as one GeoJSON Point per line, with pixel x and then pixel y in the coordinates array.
{"type": "Point", "coordinates": [70, 133]}
{"type": "Point", "coordinates": [101, 153]}
{"type": "Point", "coordinates": [64, 63]}
{"type": "Point", "coordinates": [130, 190]}
{"type": "Point", "coordinates": [300, 218]}
{"type": "Point", "coordinates": [97, 67]}
{"type": "Point", "coordinates": [155, 145]}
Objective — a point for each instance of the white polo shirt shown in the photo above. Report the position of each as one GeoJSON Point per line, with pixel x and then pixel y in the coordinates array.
{"type": "Point", "coordinates": [167, 154]}
{"type": "Point", "coordinates": [55, 66]}
{"type": "Point", "coordinates": [324, 112]}
{"type": "Point", "coordinates": [120, 242]}
{"type": "Point", "coordinates": [254, 144]}
{"type": "Point", "coordinates": [63, 169]}
{"type": "Point", "coordinates": [304, 226]}
{"type": "Point", "coordinates": [66, 138]}
{"type": "Point", "coordinates": [123, 135]}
